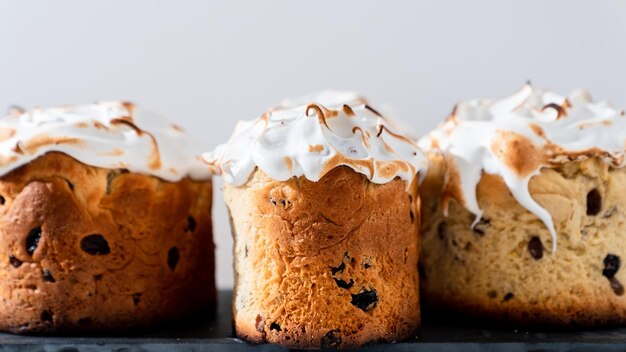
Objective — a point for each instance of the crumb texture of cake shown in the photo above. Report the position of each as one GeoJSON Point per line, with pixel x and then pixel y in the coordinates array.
{"type": "Point", "coordinates": [87, 249]}
{"type": "Point", "coordinates": [521, 228]}
{"type": "Point", "coordinates": [324, 207]}
{"type": "Point", "coordinates": [327, 264]}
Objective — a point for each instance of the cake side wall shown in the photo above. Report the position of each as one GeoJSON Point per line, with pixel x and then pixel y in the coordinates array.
{"type": "Point", "coordinates": [91, 249]}
{"type": "Point", "coordinates": [325, 264]}
{"type": "Point", "coordinates": [504, 267]}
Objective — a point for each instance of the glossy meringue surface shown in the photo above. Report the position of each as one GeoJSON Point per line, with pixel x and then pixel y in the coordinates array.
{"type": "Point", "coordinates": [106, 134]}
{"type": "Point", "coordinates": [311, 135]}
{"type": "Point", "coordinates": [515, 137]}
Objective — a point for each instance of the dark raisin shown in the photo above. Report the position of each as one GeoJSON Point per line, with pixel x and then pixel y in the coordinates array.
{"type": "Point", "coordinates": [535, 247]}
{"type": "Point", "coordinates": [338, 269]}
{"type": "Point", "coordinates": [617, 286]}
{"type": "Point", "coordinates": [191, 224]}
{"type": "Point", "coordinates": [95, 244]}
{"type": "Point", "coordinates": [344, 284]}
{"type": "Point", "coordinates": [69, 184]}
{"type": "Point", "coordinates": [97, 277]}
{"type": "Point", "coordinates": [14, 261]}
{"type": "Point", "coordinates": [172, 257]}
{"type": "Point", "coordinates": [481, 226]}
{"type": "Point", "coordinates": [367, 265]}
{"type": "Point", "coordinates": [442, 230]}
{"type": "Point", "coordinates": [611, 266]}
{"type": "Point", "coordinates": [273, 201]}
{"type": "Point", "coordinates": [507, 297]}
{"type": "Point", "coordinates": [46, 315]}
{"type": "Point", "coordinates": [412, 216]}
{"type": "Point", "coordinates": [594, 202]}
{"type": "Point", "coordinates": [32, 240]}
{"type": "Point", "coordinates": [2, 200]}
{"type": "Point", "coordinates": [47, 276]}
{"type": "Point", "coordinates": [136, 297]}
{"type": "Point", "coordinates": [331, 340]}
{"type": "Point", "coordinates": [365, 300]}
{"type": "Point", "coordinates": [282, 201]}
{"type": "Point", "coordinates": [274, 326]}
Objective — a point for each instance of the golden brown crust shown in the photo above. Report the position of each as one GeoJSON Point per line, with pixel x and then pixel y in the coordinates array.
{"type": "Point", "coordinates": [325, 264]}
{"type": "Point", "coordinates": [503, 269]}
{"type": "Point", "coordinates": [92, 249]}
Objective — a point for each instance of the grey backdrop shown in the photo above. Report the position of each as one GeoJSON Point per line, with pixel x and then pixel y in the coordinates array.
{"type": "Point", "coordinates": [207, 64]}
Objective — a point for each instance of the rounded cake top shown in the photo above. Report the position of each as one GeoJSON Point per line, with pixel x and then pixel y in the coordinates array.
{"type": "Point", "coordinates": [105, 134]}
{"type": "Point", "coordinates": [515, 137]}
{"type": "Point", "coordinates": [311, 135]}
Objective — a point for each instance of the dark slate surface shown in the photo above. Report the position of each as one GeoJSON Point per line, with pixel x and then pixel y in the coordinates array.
{"type": "Point", "coordinates": [215, 334]}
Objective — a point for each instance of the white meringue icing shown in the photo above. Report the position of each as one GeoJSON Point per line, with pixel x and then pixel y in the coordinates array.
{"type": "Point", "coordinates": [107, 135]}
{"type": "Point", "coordinates": [517, 136]}
{"type": "Point", "coordinates": [311, 135]}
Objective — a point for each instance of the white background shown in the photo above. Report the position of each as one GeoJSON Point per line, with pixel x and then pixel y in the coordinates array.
{"type": "Point", "coordinates": [207, 64]}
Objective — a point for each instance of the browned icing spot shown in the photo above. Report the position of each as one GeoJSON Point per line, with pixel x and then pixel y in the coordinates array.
{"type": "Point", "coordinates": [454, 110]}
{"type": "Point", "coordinates": [348, 110]}
{"type": "Point", "coordinates": [556, 155]}
{"type": "Point", "coordinates": [434, 143]}
{"type": "Point", "coordinates": [340, 159]}
{"type": "Point", "coordinates": [176, 127]}
{"type": "Point", "coordinates": [173, 170]}
{"type": "Point", "coordinates": [6, 133]}
{"type": "Point", "coordinates": [17, 148]}
{"type": "Point", "coordinates": [114, 152]}
{"type": "Point", "coordinates": [537, 129]}
{"type": "Point", "coordinates": [331, 113]}
{"type": "Point", "coordinates": [389, 169]}
{"type": "Point", "coordinates": [288, 163]}
{"type": "Point", "coordinates": [122, 121]}
{"type": "Point", "coordinates": [35, 143]}
{"type": "Point", "coordinates": [587, 125]}
{"type": "Point", "coordinates": [320, 111]}
{"type": "Point", "coordinates": [131, 109]}
{"type": "Point", "coordinates": [82, 125]}
{"type": "Point", "coordinates": [373, 111]}
{"type": "Point", "coordinates": [155, 158]}
{"type": "Point", "coordinates": [517, 152]}
{"type": "Point", "coordinates": [317, 148]}
{"type": "Point", "coordinates": [364, 135]}
{"type": "Point", "coordinates": [100, 126]}
{"type": "Point", "coordinates": [398, 136]}
{"type": "Point", "coordinates": [566, 104]}
{"type": "Point", "coordinates": [559, 109]}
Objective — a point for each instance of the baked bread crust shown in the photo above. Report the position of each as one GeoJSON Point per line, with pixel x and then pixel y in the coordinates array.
{"type": "Point", "coordinates": [327, 264]}
{"type": "Point", "coordinates": [87, 249]}
{"type": "Point", "coordinates": [504, 269]}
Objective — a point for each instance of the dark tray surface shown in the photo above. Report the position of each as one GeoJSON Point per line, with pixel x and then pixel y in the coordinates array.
{"type": "Point", "coordinates": [215, 334]}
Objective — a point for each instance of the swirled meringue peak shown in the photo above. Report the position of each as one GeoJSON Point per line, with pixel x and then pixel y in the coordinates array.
{"type": "Point", "coordinates": [516, 136]}
{"type": "Point", "coordinates": [106, 134]}
{"type": "Point", "coordinates": [311, 135]}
